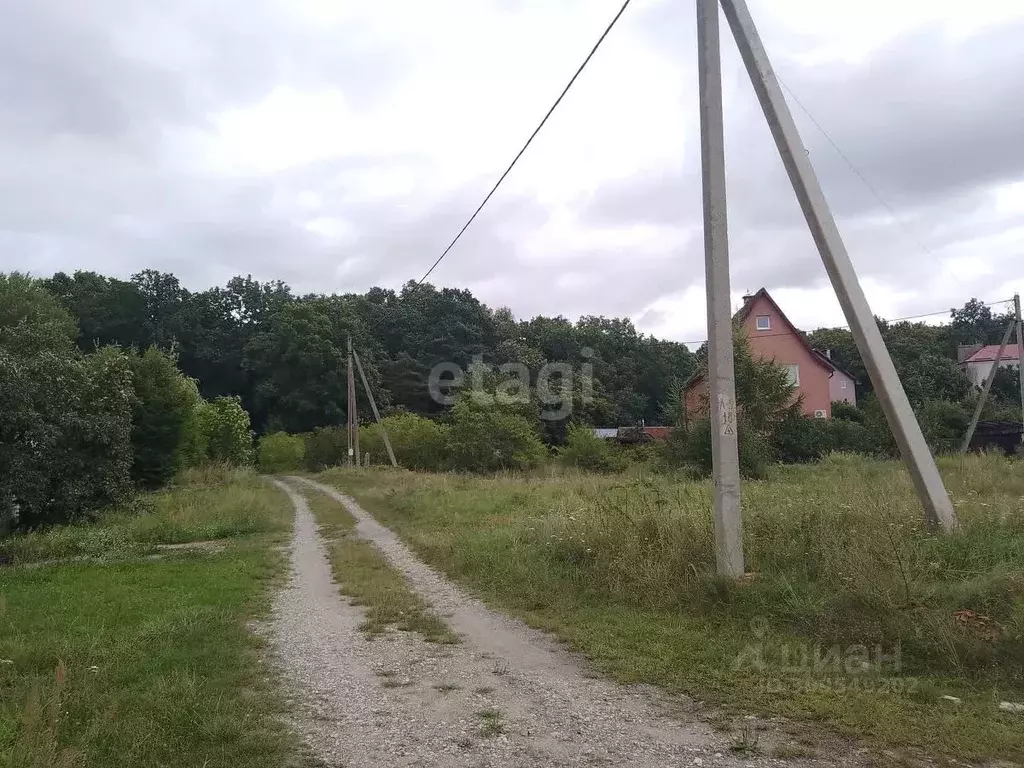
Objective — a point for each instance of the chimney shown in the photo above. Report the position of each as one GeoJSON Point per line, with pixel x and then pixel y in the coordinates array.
{"type": "Point", "coordinates": [964, 351]}
{"type": "Point", "coordinates": [747, 298]}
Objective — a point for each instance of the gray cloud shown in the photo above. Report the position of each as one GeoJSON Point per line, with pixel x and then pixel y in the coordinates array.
{"type": "Point", "coordinates": [94, 98]}
{"type": "Point", "coordinates": [933, 125]}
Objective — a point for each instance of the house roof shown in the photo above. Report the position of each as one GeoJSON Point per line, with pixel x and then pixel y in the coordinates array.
{"type": "Point", "coordinates": [987, 354]}
{"type": "Point", "coordinates": [744, 313]}
{"type": "Point", "coordinates": [828, 361]}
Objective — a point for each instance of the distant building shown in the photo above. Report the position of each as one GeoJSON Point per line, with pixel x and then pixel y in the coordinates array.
{"type": "Point", "coordinates": [773, 338]}
{"type": "Point", "coordinates": [979, 363]}
{"type": "Point", "coordinates": [638, 434]}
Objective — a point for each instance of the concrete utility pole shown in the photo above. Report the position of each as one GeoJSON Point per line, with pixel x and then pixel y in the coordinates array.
{"type": "Point", "coordinates": [721, 375]}
{"type": "Point", "coordinates": [353, 419]}
{"type": "Point", "coordinates": [923, 470]}
{"type": "Point", "coordinates": [1020, 356]}
{"type": "Point", "coordinates": [373, 407]}
{"type": "Point", "coordinates": [985, 389]}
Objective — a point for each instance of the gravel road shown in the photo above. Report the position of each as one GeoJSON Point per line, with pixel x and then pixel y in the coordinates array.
{"type": "Point", "coordinates": [506, 696]}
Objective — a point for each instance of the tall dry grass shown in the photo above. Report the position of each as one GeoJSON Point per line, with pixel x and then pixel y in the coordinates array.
{"type": "Point", "coordinates": [838, 551]}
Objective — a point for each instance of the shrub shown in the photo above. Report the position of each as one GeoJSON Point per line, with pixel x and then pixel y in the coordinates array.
{"type": "Point", "coordinates": [281, 452]}
{"type": "Point", "coordinates": [798, 438]}
{"type": "Point", "coordinates": [225, 423]}
{"type": "Point", "coordinates": [846, 412]}
{"type": "Point", "coordinates": [418, 442]}
{"type": "Point", "coordinates": [486, 438]}
{"type": "Point", "coordinates": [163, 406]}
{"type": "Point", "coordinates": [695, 450]}
{"type": "Point", "coordinates": [65, 435]}
{"type": "Point", "coordinates": [194, 443]}
{"type": "Point", "coordinates": [585, 450]}
{"type": "Point", "coordinates": [326, 447]}
{"type": "Point", "coordinates": [851, 437]}
{"type": "Point", "coordinates": [944, 424]}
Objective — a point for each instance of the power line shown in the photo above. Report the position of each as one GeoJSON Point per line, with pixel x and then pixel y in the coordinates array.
{"type": "Point", "coordinates": [861, 176]}
{"type": "Point", "coordinates": [528, 141]}
{"type": "Point", "coordinates": [893, 320]}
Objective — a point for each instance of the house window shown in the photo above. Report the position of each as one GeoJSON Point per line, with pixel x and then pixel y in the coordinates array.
{"type": "Point", "coordinates": [764, 323]}
{"type": "Point", "coordinates": [792, 374]}
{"type": "Point", "coordinates": [842, 385]}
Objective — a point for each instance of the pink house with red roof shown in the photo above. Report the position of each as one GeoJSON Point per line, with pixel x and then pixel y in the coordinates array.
{"type": "Point", "coordinates": [774, 338]}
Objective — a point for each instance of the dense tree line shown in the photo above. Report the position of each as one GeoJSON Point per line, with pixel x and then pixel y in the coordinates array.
{"type": "Point", "coordinates": [284, 355]}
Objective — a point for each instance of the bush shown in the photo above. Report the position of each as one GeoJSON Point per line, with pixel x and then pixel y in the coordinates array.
{"type": "Point", "coordinates": [163, 406]}
{"type": "Point", "coordinates": [846, 412]}
{"type": "Point", "coordinates": [418, 442]}
{"type": "Point", "coordinates": [486, 438]}
{"type": "Point", "coordinates": [851, 437]}
{"type": "Point", "coordinates": [799, 439]}
{"type": "Point", "coordinates": [585, 450]}
{"type": "Point", "coordinates": [225, 424]}
{"type": "Point", "coordinates": [65, 436]}
{"type": "Point", "coordinates": [65, 418]}
{"type": "Point", "coordinates": [695, 450]}
{"type": "Point", "coordinates": [944, 424]}
{"type": "Point", "coordinates": [194, 443]}
{"type": "Point", "coordinates": [326, 447]}
{"type": "Point", "coordinates": [281, 452]}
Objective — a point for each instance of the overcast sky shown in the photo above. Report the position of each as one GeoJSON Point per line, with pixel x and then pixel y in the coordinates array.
{"type": "Point", "coordinates": [340, 144]}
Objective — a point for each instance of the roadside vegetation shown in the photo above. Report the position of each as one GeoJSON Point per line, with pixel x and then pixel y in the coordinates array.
{"type": "Point", "coordinates": [853, 613]}
{"type": "Point", "coordinates": [117, 649]}
{"type": "Point", "coordinates": [365, 576]}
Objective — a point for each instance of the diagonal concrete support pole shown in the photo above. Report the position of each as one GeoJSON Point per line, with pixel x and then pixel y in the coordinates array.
{"type": "Point", "coordinates": [938, 509]}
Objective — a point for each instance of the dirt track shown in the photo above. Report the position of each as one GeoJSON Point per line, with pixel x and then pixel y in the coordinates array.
{"type": "Point", "coordinates": [506, 696]}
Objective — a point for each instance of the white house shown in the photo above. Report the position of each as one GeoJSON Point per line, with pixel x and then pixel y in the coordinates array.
{"type": "Point", "coordinates": [979, 365]}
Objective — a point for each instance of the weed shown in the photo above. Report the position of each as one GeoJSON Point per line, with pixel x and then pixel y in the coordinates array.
{"type": "Point", "coordinates": [856, 615]}
{"type": "Point", "coordinates": [791, 751]}
{"type": "Point", "coordinates": [720, 723]}
{"type": "Point", "coordinates": [491, 724]}
{"type": "Point", "coordinates": [364, 575]}
{"type": "Point", "coordinates": [446, 687]}
{"type": "Point", "coordinates": [483, 690]}
{"type": "Point", "coordinates": [746, 739]}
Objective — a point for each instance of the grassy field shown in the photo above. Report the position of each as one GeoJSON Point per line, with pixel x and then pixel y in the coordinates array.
{"type": "Point", "coordinates": [131, 655]}
{"type": "Point", "coordinates": [854, 615]}
{"type": "Point", "coordinates": [365, 576]}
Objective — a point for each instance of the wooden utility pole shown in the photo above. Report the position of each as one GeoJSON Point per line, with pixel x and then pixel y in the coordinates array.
{"type": "Point", "coordinates": [1020, 357]}
{"type": "Point", "coordinates": [353, 419]}
{"type": "Point", "coordinates": [938, 509]}
{"type": "Point", "coordinates": [988, 386]}
{"type": "Point", "coordinates": [373, 407]}
{"type": "Point", "coordinates": [721, 372]}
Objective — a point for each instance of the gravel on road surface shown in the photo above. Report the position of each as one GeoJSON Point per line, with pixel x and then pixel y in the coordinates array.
{"type": "Point", "coordinates": [507, 695]}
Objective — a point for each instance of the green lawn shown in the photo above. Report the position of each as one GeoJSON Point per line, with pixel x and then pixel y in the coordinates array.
{"type": "Point", "coordinates": [130, 661]}
{"type": "Point", "coordinates": [855, 616]}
